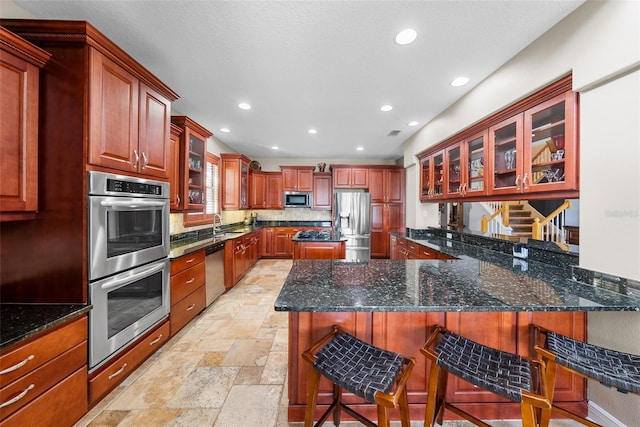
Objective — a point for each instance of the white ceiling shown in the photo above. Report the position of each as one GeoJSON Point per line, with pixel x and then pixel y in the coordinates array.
{"type": "Point", "coordinates": [327, 65]}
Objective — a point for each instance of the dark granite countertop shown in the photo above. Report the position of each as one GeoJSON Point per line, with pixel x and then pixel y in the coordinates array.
{"type": "Point", "coordinates": [19, 322]}
{"type": "Point", "coordinates": [478, 280]}
{"type": "Point", "coordinates": [328, 236]}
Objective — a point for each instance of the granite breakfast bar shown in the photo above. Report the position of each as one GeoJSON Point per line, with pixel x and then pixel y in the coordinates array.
{"type": "Point", "coordinates": [487, 296]}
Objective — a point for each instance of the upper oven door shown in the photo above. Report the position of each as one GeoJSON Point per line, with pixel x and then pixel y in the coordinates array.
{"type": "Point", "coordinates": [125, 232]}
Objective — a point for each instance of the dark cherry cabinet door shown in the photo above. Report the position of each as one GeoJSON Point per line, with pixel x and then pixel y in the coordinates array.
{"type": "Point", "coordinates": [258, 190]}
{"type": "Point", "coordinates": [154, 128]}
{"type": "Point", "coordinates": [274, 190]}
{"type": "Point", "coordinates": [322, 194]}
{"type": "Point", "coordinates": [113, 120]}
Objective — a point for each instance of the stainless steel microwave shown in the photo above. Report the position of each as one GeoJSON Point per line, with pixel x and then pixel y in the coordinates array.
{"type": "Point", "coordinates": [297, 199]}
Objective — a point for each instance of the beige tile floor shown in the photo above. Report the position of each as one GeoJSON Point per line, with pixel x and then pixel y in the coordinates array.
{"type": "Point", "coordinates": [227, 368]}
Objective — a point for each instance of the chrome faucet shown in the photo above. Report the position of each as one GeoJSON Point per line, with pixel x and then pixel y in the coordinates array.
{"type": "Point", "coordinates": [220, 221]}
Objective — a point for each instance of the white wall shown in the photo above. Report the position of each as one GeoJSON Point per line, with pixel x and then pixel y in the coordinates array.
{"type": "Point", "coordinates": [600, 44]}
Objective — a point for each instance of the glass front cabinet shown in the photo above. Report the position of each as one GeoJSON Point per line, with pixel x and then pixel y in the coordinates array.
{"type": "Point", "coordinates": [531, 152]}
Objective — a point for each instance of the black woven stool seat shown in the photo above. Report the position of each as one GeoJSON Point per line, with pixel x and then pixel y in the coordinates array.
{"type": "Point", "coordinates": [357, 366]}
{"type": "Point", "coordinates": [612, 368]}
{"type": "Point", "coordinates": [502, 373]}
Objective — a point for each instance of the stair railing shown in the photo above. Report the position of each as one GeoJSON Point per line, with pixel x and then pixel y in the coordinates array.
{"type": "Point", "coordinates": [500, 208]}
{"type": "Point", "coordinates": [551, 228]}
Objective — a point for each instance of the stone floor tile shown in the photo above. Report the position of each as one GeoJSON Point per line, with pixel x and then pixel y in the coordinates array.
{"type": "Point", "coordinates": [275, 370]}
{"type": "Point", "coordinates": [205, 387]}
{"type": "Point", "coordinates": [252, 352]}
{"type": "Point", "coordinates": [250, 405]}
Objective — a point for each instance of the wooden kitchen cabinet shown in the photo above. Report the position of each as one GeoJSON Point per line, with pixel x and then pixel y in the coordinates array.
{"type": "Point", "coordinates": [130, 121]}
{"type": "Point", "coordinates": [20, 64]}
{"type": "Point", "coordinates": [530, 148]}
{"type": "Point", "coordinates": [235, 181]}
{"type": "Point", "coordinates": [266, 190]}
{"type": "Point", "coordinates": [297, 178]}
{"type": "Point", "coordinates": [386, 218]}
{"type": "Point", "coordinates": [318, 250]}
{"type": "Point", "coordinates": [187, 289]}
{"type": "Point", "coordinates": [386, 185]}
{"type": "Point", "coordinates": [322, 198]}
{"type": "Point", "coordinates": [283, 245]}
{"type": "Point", "coordinates": [348, 176]}
{"type": "Point", "coordinates": [193, 158]}
{"type": "Point", "coordinates": [240, 254]}
{"type": "Point", "coordinates": [50, 372]}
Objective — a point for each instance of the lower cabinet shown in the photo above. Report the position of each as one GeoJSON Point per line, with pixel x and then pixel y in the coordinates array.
{"type": "Point", "coordinates": [240, 254]}
{"type": "Point", "coordinates": [401, 248]}
{"type": "Point", "coordinates": [188, 294]}
{"type": "Point", "coordinates": [277, 243]}
{"type": "Point", "coordinates": [107, 377]}
{"type": "Point", "coordinates": [44, 382]}
{"type": "Point", "coordinates": [319, 250]}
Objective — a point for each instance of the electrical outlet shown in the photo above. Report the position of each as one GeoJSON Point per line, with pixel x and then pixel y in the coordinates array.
{"type": "Point", "coordinates": [449, 236]}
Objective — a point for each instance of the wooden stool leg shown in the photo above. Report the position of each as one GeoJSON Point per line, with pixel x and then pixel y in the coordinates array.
{"type": "Point", "coordinates": [383, 416]}
{"type": "Point", "coordinates": [337, 397]}
{"type": "Point", "coordinates": [435, 397]}
{"type": "Point", "coordinates": [528, 415]}
{"type": "Point", "coordinates": [550, 375]}
{"type": "Point", "coordinates": [312, 397]}
{"type": "Point", "coordinates": [404, 408]}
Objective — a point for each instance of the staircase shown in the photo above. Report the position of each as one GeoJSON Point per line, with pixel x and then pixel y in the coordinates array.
{"type": "Point", "coordinates": [520, 221]}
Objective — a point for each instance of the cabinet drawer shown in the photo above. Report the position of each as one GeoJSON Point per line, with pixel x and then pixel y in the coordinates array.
{"type": "Point", "coordinates": [41, 379]}
{"type": "Point", "coordinates": [122, 366]}
{"type": "Point", "coordinates": [413, 247]}
{"type": "Point", "coordinates": [187, 309]}
{"type": "Point", "coordinates": [186, 261]}
{"type": "Point", "coordinates": [426, 253]}
{"type": "Point", "coordinates": [185, 282]}
{"type": "Point", "coordinates": [64, 404]}
{"type": "Point", "coordinates": [28, 357]}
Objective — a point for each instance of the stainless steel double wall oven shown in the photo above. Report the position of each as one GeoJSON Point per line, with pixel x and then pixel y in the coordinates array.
{"type": "Point", "coordinates": [128, 260]}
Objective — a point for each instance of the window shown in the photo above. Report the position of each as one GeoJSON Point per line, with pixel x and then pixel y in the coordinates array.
{"type": "Point", "coordinates": [212, 194]}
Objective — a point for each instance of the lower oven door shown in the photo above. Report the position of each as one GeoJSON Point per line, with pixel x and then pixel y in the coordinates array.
{"type": "Point", "coordinates": [124, 307]}
{"type": "Point", "coordinates": [125, 232]}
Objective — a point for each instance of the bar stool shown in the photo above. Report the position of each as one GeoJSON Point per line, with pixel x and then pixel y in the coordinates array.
{"type": "Point", "coordinates": [376, 375]}
{"type": "Point", "coordinates": [611, 368]}
{"type": "Point", "coordinates": [508, 375]}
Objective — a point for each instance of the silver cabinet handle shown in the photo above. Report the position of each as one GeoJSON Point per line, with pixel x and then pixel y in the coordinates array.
{"type": "Point", "coordinates": [177, 199]}
{"type": "Point", "coordinates": [188, 282]}
{"type": "Point", "coordinates": [517, 182]}
{"type": "Point", "coordinates": [17, 365]}
{"type": "Point", "coordinates": [156, 340]}
{"type": "Point", "coordinates": [118, 372]}
{"type": "Point", "coordinates": [145, 161]}
{"type": "Point", "coordinates": [190, 260]}
{"type": "Point", "coordinates": [18, 397]}
{"type": "Point", "coordinates": [137, 158]}
{"type": "Point", "coordinates": [191, 307]}
{"type": "Point", "coordinates": [524, 182]}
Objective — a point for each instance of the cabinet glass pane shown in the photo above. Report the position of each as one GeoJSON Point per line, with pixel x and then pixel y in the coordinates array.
{"type": "Point", "coordinates": [547, 145]}
{"type": "Point", "coordinates": [505, 157]}
{"type": "Point", "coordinates": [426, 178]}
{"type": "Point", "coordinates": [475, 171]}
{"type": "Point", "coordinates": [453, 182]}
{"type": "Point", "coordinates": [438, 174]}
{"type": "Point", "coordinates": [196, 170]}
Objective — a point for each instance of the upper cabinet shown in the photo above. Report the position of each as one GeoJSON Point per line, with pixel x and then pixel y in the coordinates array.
{"type": "Point", "coordinates": [175, 174]}
{"type": "Point", "coordinates": [192, 160]}
{"type": "Point", "coordinates": [235, 181]}
{"type": "Point", "coordinates": [346, 176]}
{"type": "Point", "coordinates": [322, 192]}
{"type": "Point", "coordinates": [20, 64]}
{"type": "Point", "coordinates": [297, 178]}
{"type": "Point", "coordinates": [386, 185]}
{"type": "Point", "coordinates": [129, 126]}
{"type": "Point", "coordinates": [266, 190]}
{"type": "Point", "coordinates": [530, 148]}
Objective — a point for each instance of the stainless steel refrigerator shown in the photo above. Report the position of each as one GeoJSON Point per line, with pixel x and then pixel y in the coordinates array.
{"type": "Point", "coordinates": [351, 218]}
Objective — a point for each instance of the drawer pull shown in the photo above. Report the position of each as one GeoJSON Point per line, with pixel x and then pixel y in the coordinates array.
{"type": "Point", "coordinates": [118, 372]}
{"type": "Point", "coordinates": [190, 260]}
{"type": "Point", "coordinates": [17, 365]}
{"type": "Point", "coordinates": [188, 282]}
{"type": "Point", "coordinates": [18, 397]}
{"type": "Point", "coordinates": [191, 307]}
{"type": "Point", "coordinates": [156, 340]}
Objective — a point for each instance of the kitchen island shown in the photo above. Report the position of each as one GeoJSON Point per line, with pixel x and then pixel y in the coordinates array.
{"type": "Point", "coordinates": [484, 295]}
{"type": "Point", "coordinates": [318, 245]}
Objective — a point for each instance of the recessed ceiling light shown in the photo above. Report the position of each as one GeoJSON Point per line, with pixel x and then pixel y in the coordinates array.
{"type": "Point", "coordinates": [386, 108]}
{"type": "Point", "coordinates": [225, 130]}
{"type": "Point", "coordinates": [244, 106]}
{"type": "Point", "coordinates": [312, 131]}
{"type": "Point", "coordinates": [406, 36]}
{"type": "Point", "coordinates": [360, 148]}
{"type": "Point", "coordinates": [460, 81]}
{"type": "Point", "coordinates": [275, 147]}
{"type": "Point", "coordinates": [413, 123]}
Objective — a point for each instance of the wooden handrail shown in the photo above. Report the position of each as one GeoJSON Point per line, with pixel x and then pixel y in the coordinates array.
{"type": "Point", "coordinates": [484, 222]}
{"type": "Point", "coordinates": [536, 232]}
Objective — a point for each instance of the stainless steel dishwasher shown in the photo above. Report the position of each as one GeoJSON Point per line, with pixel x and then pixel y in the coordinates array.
{"type": "Point", "coordinates": [214, 264]}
